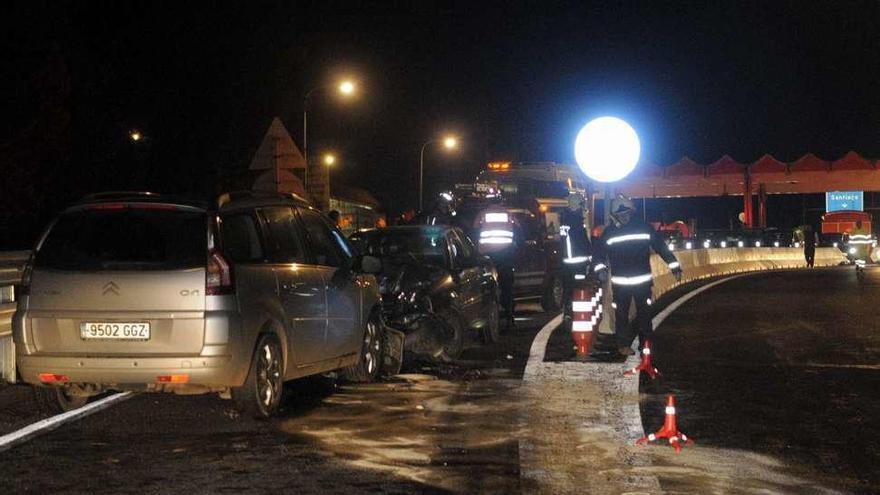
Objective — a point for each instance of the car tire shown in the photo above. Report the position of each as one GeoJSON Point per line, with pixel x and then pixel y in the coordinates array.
{"type": "Point", "coordinates": [553, 294]}
{"type": "Point", "coordinates": [452, 349]}
{"type": "Point", "coordinates": [370, 357]}
{"type": "Point", "coordinates": [260, 395]}
{"type": "Point", "coordinates": [56, 400]}
{"type": "Point", "coordinates": [491, 331]}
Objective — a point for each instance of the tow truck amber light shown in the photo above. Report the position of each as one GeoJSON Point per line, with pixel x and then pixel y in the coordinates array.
{"type": "Point", "coordinates": [499, 165]}
{"type": "Point", "coordinates": [53, 378]}
{"type": "Point", "coordinates": [172, 379]}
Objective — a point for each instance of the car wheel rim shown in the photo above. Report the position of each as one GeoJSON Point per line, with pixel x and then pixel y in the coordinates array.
{"type": "Point", "coordinates": [268, 375]}
{"type": "Point", "coordinates": [371, 348]}
{"type": "Point", "coordinates": [558, 291]}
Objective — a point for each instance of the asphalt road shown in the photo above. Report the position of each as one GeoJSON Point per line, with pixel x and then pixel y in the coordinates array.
{"type": "Point", "coordinates": [785, 365]}
{"type": "Point", "coordinates": [435, 430]}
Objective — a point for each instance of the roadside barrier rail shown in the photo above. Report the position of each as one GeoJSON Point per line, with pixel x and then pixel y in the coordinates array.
{"type": "Point", "coordinates": [698, 264]}
{"type": "Point", "coordinates": [11, 265]}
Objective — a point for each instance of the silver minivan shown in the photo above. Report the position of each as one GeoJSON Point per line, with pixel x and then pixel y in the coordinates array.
{"type": "Point", "coordinates": [137, 291]}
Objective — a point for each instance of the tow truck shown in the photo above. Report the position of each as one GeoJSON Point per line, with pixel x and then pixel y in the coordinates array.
{"type": "Point", "coordinates": [531, 196]}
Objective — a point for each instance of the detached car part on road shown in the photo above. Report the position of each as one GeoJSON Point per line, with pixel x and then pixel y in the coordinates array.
{"type": "Point", "coordinates": [136, 291]}
{"type": "Point", "coordinates": [436, 288]}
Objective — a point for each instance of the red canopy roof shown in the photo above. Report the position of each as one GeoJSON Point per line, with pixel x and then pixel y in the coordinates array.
{"type": "Point", "coordinates": [768, 164]}
{"type": "Point", "coordinates": [809, 163]}
{"type": "Point", "coordinates": [852, 161]}
{"type": "Point", "coordinates": [726, 165]}
{"type": "Point", "coordinates": [649, 169]}
{"type": "Point", "coordinates": [685, 168]}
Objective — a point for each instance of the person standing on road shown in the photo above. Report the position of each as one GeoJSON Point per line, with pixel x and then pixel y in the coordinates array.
{"type": "Point", "coordinates": [860, 243]}
{"type": "Point", "coordinates": [810, 240]}
{"type": "Point", "coordinates": [575, 247]}
{"type": "Point", "coordinates": [625, 249]}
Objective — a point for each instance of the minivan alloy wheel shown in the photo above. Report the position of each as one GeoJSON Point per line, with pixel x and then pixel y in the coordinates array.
{"type": "Point", "coordinates": [269, 380]}
{"type": "Point", "coordinates": [372, 347]}
{"type": "Point", "coordinates": [558, 292]}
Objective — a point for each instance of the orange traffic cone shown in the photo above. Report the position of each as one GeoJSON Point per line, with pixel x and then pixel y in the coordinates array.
{"type": "Point", "coordinates": [586, 309]}
{"type": "Point", "coordinates": [645, 365]}
{"type": "Point", "coordinates": [669, 429]}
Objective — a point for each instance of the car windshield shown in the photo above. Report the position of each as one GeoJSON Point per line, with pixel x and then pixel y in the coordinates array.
{"type": "Point", "coordinates": [125, 238]}
{"type": "Point", "coordinates": [427, 247]}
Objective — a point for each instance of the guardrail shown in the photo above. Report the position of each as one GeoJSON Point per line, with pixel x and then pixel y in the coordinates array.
{"type": "Point", "coordinates": [11, 264]}
{"type": "Point", "coordinates": [698, 264]}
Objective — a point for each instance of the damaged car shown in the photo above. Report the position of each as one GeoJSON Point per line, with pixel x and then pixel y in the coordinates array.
{"type": "Point", "coordinates": [435, 287]}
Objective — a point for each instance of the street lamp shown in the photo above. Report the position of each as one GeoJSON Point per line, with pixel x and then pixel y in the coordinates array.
{"type": "Point", "coordinates": [135, 135]}
{"type": "Point", "coordinates": [346, 88]}
{"type": "Point", "coordinates": [329, 161]}
{"type": "Point", "coordinates": [450, 143]}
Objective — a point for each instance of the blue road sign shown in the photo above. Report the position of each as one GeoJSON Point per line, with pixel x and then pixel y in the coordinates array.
{"type": "Point", "coordinates": [844, 201]}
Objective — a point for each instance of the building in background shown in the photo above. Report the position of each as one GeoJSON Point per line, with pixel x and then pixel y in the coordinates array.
{"type": "Point", "coordinates": [357, 208]}
{"type": "Point", "coordinates": [278, 165]}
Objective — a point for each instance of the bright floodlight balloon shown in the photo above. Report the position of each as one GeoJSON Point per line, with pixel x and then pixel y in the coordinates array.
{"type": "Point", "coordinates": [607, 149]}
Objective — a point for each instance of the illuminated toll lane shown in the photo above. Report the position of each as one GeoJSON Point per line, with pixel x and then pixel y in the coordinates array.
{"type": "Point", "coordinates": [785, 364]}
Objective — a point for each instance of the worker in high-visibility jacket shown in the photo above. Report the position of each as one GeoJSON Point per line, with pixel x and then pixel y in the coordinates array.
{"type": "Point", "coordinates": [625, 250]}
{"type": "Point", "coordinates": [576, 250]}
{"type": "Point", "coordinates": [499, 235]}
{"type": "Point", "coordinates": [860, 243]}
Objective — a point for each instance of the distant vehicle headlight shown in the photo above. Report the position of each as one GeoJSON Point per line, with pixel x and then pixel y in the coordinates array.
{"type": "Point", "coordinates": [672, 246]}
{"type": "Point", "coordinates": [724, 244]}
{"type": "Point", "coordinates": [707, 244]}
{"type": "Point", "coordinates": [740, 244]}
{"type": "Point", "coordinates": [835, 244]}
{"type": "Point", "coordinates": [688, 245]}
{"type": "Point", "coordinates": [775, 243]}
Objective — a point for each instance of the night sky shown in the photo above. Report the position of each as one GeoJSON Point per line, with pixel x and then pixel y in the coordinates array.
{"type": "Point", "coordinates": [514, 80]}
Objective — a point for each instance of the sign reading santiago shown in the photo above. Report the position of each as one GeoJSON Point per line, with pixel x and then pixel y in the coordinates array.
{"type": "Point", "coordinates": [844, 201]}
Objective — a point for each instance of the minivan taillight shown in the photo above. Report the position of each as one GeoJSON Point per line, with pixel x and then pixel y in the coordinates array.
{"type": "Point", "coordinates": [218, 279]}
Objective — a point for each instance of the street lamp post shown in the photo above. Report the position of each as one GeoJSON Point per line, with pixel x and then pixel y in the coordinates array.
{"type": "Point", "coordinates": [347, 88]}
{"type": "Point", "coordinates": [450, 143]}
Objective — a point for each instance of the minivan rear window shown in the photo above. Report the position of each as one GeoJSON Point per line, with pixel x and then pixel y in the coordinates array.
{"type": "Point", "coordinates": [128, 238]}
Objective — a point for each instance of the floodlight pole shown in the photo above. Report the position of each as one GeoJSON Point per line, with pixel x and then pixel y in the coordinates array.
{"type": "Point", "coordinates": [606, 204]}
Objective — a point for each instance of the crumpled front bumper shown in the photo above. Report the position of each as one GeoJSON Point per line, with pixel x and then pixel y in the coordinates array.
{"type": "Point", "coordinates": [424, 334]}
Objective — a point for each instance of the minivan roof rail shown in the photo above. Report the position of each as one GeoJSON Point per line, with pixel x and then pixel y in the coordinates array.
{"type": "Point", "coordinates": [226, 197]}
{"type": "Point", "coordinates": [119, 195]}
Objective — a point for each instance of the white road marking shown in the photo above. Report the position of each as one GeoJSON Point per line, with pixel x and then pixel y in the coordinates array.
{"type": "Point", "coordinates": [539, 347]}
{"type": "Point", "coordinates": [33, 430]}
{"type": "Point", "coordinates": [658, 319]}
